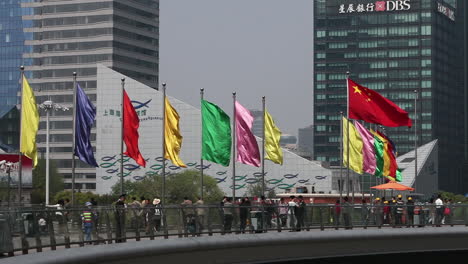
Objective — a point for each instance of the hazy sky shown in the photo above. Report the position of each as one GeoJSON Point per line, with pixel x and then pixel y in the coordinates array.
{"type": "Point", "coordinates": [253, 47]}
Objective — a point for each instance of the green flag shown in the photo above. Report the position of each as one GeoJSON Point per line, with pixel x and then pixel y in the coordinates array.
{"type": "Point", "coordinates": [379, 156]}
{"type": "Point", "coordinates": [216, 134]}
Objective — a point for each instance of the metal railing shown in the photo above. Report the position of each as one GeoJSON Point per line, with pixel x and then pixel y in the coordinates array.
{"type": "Point", "coordinates": [27, 229]}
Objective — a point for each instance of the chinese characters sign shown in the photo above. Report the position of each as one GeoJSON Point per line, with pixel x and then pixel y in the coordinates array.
{"type": "Point", "coordinates": [378, 6]}
{"type": "Point", "coordinates": [446, 11]}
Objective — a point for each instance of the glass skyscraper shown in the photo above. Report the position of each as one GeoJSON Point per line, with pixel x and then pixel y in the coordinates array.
{"type": "Point", "coordinates": [54, 39]}
{"type": "Point", "coordinates": [401, 49]}
{"type": "Point", "coordinates": [12, 47]}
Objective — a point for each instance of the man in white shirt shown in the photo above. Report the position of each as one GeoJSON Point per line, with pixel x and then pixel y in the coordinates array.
{"type": "Point", "coordinates": [292, 205]}
{"type": "Point", "coordinates": [439, 206]}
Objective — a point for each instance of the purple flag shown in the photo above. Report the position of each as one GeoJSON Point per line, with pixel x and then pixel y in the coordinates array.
{"type": "Point", "coordinates": [85, 115]}
{"type": "Point", "coordinates": [247, 148]}
{"type": "Point", "coordinates": [367, 149]}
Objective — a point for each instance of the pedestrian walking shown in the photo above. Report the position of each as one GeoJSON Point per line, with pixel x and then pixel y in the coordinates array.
{"type": "Point", "coordinates": [244, 211]}
{"type": "Point", "coordinates": [120, 207]}
{"type": "Point", "coordinates": [300, 213]}
{"type": "Point", "coordinates": [87, 221]}
{"type": "Point", "coordinates": [283, 212]}
{"type": "Point", "coordinates": [347, 209]}
{"type": "Point", "coordinates": [439, 210]}
{"type": "Point", "coordinates": [201, 213]}
{"type": "Point", "coordinates": [292, 204]}
{"type": "Point", "coordinates": [227, 212]}
{"type": "Point", "coordinates": [410, 212]}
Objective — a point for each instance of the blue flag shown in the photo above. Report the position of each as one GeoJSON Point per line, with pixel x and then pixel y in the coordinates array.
{"type": "Point", "coordinates": [85, 115]}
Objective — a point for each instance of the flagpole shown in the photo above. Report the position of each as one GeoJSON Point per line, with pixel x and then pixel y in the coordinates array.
{"type": "Point", "coordinates": [73, 139]}
{"type": "Point", "coordinates": [415, 138]}
{"type": "Point", "coordinates": [201, 158]}
{"type": "Point", "coordinates": [163, 198]}
{"type": "Point", "coordinates": [263, 147]}
{"type": "Point", "coordinates": [340, 186]}
{"type": "Point", "coordinates": [122, 138]}
{"type": "Point", "coordinates": [362, 179]}
{"type": "Point", "coordinates": [20, 162]}
{"type": "Point", "coordinates": [234, 148]}
{"type": "Point", "coordinates": [347, 117]}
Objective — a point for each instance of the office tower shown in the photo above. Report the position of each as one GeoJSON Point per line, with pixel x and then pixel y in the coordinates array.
{"type": "Point", "coordinates": [401, 49]}
{"type": "Point", "coordinates": [54, 39]}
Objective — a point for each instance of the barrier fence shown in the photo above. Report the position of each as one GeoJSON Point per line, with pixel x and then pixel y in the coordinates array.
{"type": "Point", "coordinates": [26, 229]}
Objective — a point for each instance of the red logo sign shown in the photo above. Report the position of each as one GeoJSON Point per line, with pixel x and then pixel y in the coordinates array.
{"type": "Point", "coordinates": [380, 6]}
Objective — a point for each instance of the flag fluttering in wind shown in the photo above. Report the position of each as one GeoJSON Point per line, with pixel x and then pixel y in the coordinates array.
{"type": "Point", "coordinates": [172, 137]}
{"type": "Point", "coordinates": [390, 164]}
{"type": "Point", "coordinates": [85, 116]}
{"type": "Point", "coordinates": [354, 146]}
{"type": "Point", "coordinates": [29, 122]}
{"type": "Point", "coordinates": [131, 123]}
{"type": "Point", "coordinates": [272, 140]}
{"type": "Point", "coordinates": [368, 148]}
{"type": "Point", "coordinates": [247, 147]}
{"type": "Point", "coordinates": [368, 105]}
{"type": "Point", "coordinates": [370, 152]}
{"type": "Point", "coordinates": [216, 134]}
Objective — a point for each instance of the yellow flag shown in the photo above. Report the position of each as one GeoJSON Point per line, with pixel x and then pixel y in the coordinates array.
{"type": "Point", "coordinates": [29, 122]}
{"type": "Point", "coordinates": [356, 159]}
{"type": "Point", "coordinates": [272, 140]}
{"type": "Point", "coordinates": [172, 137]}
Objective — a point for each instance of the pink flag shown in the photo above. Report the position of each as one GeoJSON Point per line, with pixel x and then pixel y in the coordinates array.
{"type": "Point", "coordinates": [247, 148]}
{"type": "Point", "coordinates": [368, 148]}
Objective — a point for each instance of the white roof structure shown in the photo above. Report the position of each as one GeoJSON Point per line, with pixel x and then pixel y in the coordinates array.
{"type": "Point", "coordinates": [427, 163]}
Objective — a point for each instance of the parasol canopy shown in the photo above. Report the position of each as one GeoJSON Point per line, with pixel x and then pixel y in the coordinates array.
{"type": "Point", "coordinates": [393, 186]}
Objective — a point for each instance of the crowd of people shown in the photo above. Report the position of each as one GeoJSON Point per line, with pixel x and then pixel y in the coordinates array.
{"type": "Point", "coordinates": [147, 215]}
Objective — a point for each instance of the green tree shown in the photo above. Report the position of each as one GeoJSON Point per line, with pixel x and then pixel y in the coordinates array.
{"type": "Point", "coordinates": [184, 184]}
{"type": "Point", "coordinates": [80, 197]}
{"type": "Point", "coordinates": [255, 190]}
{"type": "Point", "coordinates": [39, 181]}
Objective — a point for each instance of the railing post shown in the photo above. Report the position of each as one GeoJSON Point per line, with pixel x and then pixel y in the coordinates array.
{"type": "Point", "coordinates": [164, 222]}
{"type": "Point", "coordinates": [208, 222]}
{"type": "Point", "coordinates": [108, 228]}
{"type": "Point", "coordinates": [37, 234]}
{"type": "Point", "coordinates": [322, 227]}
{"type": "Point", "coordinates": [24, 241]}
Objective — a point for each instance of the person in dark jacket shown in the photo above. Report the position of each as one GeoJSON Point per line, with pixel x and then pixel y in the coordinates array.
{"type": "Point", "coordinates": [120, 219]}
{"type": "Point", "coordinates": [244, 213]}
{"type": "Point", "coordinates": [300, 213]}
{"type": "Point", "coordinates": [410, 212]}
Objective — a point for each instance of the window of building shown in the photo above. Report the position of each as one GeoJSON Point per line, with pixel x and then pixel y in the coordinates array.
{"type": "Point", "coordinates": [425, 30]}
{"type": "Point", "coordinates": [320, 55]}
{"type": "Point", "coordinates": [321, 33]}
{"type": "Point", "coordinates": [321, 117]}
{"type": "Point", "coordinates": [321, 96]}
{"type": "Point", "coordinates": [426, 52]}
{"type": "Point", "coordinates": [426, 63]}
{"type": "Point", "coordinates": [320, 86]}
{"type": "Point", "coordinates": [321, 128]}
{"type": "Point", "coordinates": [321, 76]}
{"type": "Point", "coordinates": [426, 126]}
{"type": "Point", "coordinates": [426, 84]}
{"type": "Point", "coordinates": [426, 73]}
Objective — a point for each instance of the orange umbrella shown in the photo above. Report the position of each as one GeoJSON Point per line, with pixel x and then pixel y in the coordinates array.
{"type": "Point", "coordinates": [393, 186]}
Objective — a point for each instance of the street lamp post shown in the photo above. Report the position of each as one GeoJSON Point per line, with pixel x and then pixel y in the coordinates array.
{"type": "Point", "coordinates": [48, 106]}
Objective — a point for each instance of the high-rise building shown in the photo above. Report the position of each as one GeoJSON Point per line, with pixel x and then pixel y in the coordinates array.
{"type": "Point", "coordinates": [401, 49]}
{"type": "Point", "coordinates": [306, 139]}
{"type": "Point", "coordinates": [55, 38]}
{"type": "Point", "coordinates": [12, 47]}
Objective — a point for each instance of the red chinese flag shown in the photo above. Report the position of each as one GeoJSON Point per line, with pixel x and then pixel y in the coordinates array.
{"type": "Point", "coordinates": [131, 122]}
{"type": "Point", "coordinates": [368, 105]}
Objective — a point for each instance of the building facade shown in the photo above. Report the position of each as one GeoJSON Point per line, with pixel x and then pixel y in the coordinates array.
{"type": "Point", "coordinates": [295, 171]}
{"type": "Point", "coordinates": [402, 49]}
{"type": "Point", "coordinates": [73, 36]}
{"type": "Point", "coordinates": [12, 47]}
